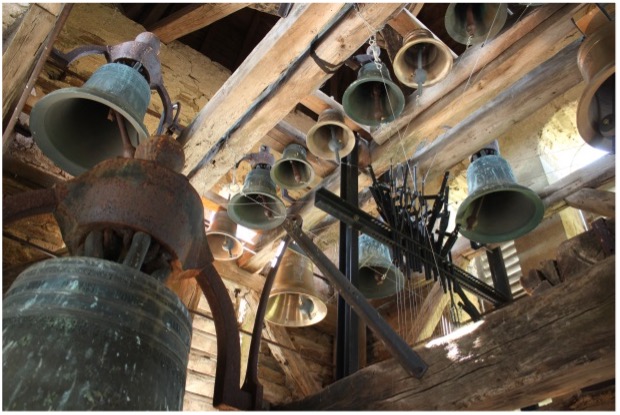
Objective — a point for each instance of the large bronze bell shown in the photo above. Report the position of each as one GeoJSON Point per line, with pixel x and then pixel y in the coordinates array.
{"type": "Point", "coordinates": [293, 171]}
{"type": "Point", "coordinates": [294, 301]}
{"type": "Point", "coordinates": [373, 98]}
{"type": "Point", "coordinates": [595, 112]}
{"type": "Point", "coordinates": [89, 334]}
{"type": "Point", "coordinates": [222, 238]}
{"type": "Point", "coordinates": [330, 138]}
{"type": "Point", "coordinates": [378, 277]}
{"type": "Point", "coordinates": [257, 206]}
{"type": "Point", "coordinates": [474, 23]}
{"type": "Point", "coordinates": [77, 128]}
{"type": "Point", "coordinates": [421, 50]}
{"type": "Point", "coordinates": [497, 208]}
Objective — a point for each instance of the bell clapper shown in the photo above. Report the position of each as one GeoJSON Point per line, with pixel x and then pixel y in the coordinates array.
{"type": "Point", "coordinates": [472, 220]}
{"type": "Point", "coordinates": [228, 245]}
{"type": "Point", "coordinates": [296, 172]}
{"type": "Point", "coordinates": [471, 23]}
{"type": "Point", "coordinates": [306, 306]}
{"type": "Point", "coordinates": [376, 101]}
{"type": "Point", "coordinates": [335, 143]}
{"type": "Point", "coordinates": [128, 149]}
{"type": "Point", "coordinates": [420, 74]}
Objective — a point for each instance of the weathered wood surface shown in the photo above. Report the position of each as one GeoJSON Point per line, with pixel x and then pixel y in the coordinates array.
{"type": "Point", "coordinates": [349, 34]}
{"type": "Point", "coordinates": [600, 202]}
{"type": "Point", "coordinates": [509, 361]}
{"type": "Point", "coordinates": [594, 175]}
{"type": "Point", "coordinates": [20, 55]}
{"type": "Point", "coordinates": [192, 18]}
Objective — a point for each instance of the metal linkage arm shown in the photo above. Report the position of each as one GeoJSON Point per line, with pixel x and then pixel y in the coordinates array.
{"type": "Point", "coordinates": [363, 222]}
{"type": "Point", "coordinates": [401, 351]}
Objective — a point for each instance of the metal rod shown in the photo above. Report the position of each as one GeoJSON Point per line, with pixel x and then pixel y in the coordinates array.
{"type": "Point", "coordinates": [140, 244]}
{"type": "Point", "coordinates": [348, 328]}
{"type": "Point", "coordinates": [498, 272]}
{"type": "Point", "coordinates": [251, 373]}
{"type": "Point", "coordinates": [401, 351]}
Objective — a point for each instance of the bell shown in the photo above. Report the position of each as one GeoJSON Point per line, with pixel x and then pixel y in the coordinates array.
{"type": "Point", "coordinates": [474, 23]}
{"type": "Point", "coordinates": [330, 138]}
{"type": "Point", "coordinates": [294, 301]}
{"type": "Point", "coordinates": [497, 208]}
{"type": "Point", "coordinates": [422, 60]}
{"type": "Point", "coordinates": [257, 206]}
{"type": "Point", "coordinates": [377, 276]}
{"type": "Point", "coordinates": [373, 98]}
{"type": "Point", "coordinates": [77, 128]}
{"type": "Point", "coordinates": [595, 111]}
{"type": "Point", "coordinates": [84, 334]}
{"type": "Point", "coordinates": [293, 171]}
{"type": "Point", "coordinates": [222, 238]}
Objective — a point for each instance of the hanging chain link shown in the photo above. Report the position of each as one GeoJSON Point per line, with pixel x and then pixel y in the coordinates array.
{"type": "Point", "coordinates": [374, 50]}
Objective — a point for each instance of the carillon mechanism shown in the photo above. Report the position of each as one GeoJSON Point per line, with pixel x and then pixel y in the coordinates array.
{"type": "Point", "coordinates": [222, 238]}
{"type": "Point", "coordinates": [79, 127]}
{"type": "Point", "coordinates": [294, 301]}
{"type": "Point", "coordinates": [596, 109]}
{"type": "Point", "coordinates": [293, 171]}
{"type": "Point", "coordinates": [378, 277]}
{"type": "Point", "coordinates": [474, 23]}
{"type": "Point", "coordinates": [258, 206]}
{"type": "Point", "coordinates": [330, 138]}
{"type": "Point", "coordinates": [422, 60]}
{"type": "Point", "coordinates": [497, 209]}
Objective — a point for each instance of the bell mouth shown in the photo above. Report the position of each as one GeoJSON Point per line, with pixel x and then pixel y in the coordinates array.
{"type": "Point", "coordinates": [283, 173]}
{"type": "Point", "coordinates": [217, 244]}
{"type": "Point", "coordinates": [380, 282]}
{"type": "Point", "coordinates": [595, 111]}
{"type": "Point", "coordinates": [257, 210]}
{"type": "Point", "coordinates": [496, 215]}
{"type": "Point", "coordinates": [294, 309]}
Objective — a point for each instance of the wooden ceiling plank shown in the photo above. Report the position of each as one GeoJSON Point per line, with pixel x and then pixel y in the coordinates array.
{"type": "Point", "coordinates": [252, 78]}
{"type": "Point", "coordinates": [192, 18]}
{"type": "Point", "coordinates": [503, 364]}
{"type": "Point", "coordinates": [600, 202]}
{"type": "Point", "coordinates": [22, 52]}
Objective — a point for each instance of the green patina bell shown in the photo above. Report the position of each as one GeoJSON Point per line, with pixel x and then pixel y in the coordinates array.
{"type": "Point", "coordinates": [75, 128]}
{"type": "Point", "coordinates": [373, 98]}
{"type": "Point", "coordinates": [378, 277]}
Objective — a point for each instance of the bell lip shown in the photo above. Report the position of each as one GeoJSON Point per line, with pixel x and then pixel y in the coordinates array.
{"type": "Point", "coordinates": [486, 238]}
{"type": "Point", "coordinates": [400, 104]}
{"type": "Point", "coordinates": [502, 16]}
{"type": "Point", "coordinates": [294, 187]}
{"type": "Point", "coordinates": [584, 127]}
{"type": "Point", "coordinates": [345, 151]}
{"type": "Point", "coordinates": [412, 39]}
{"type": "Point", "coordinates": [393, 272]}
{"type": "Point", "coordinates": [37, 119]}
{"type": "Point", "coordinates": [318, 302]}
{"type": "Point", "coordinates": [236, 240]}
{"type": "Point", "coordinates": [232, 214]}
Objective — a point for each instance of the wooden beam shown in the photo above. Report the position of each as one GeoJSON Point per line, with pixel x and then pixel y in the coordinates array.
{"type": "Point", "coordinates": [226, 109]}
{"type": "Point", "coordinates": [594, 175]}
{"type": "Point", "coordinates": [478, 76]}
{"type": "Point", "coordinates": [601, 202]}
{"type": "Point", "coordinates": [22, 51]}
{"type": "Point", "coordinates": [192, 18]}
{"type": "Point", "coordinates": [499, 114]}
{"type": "Point", "coordinates": [511, 359]}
